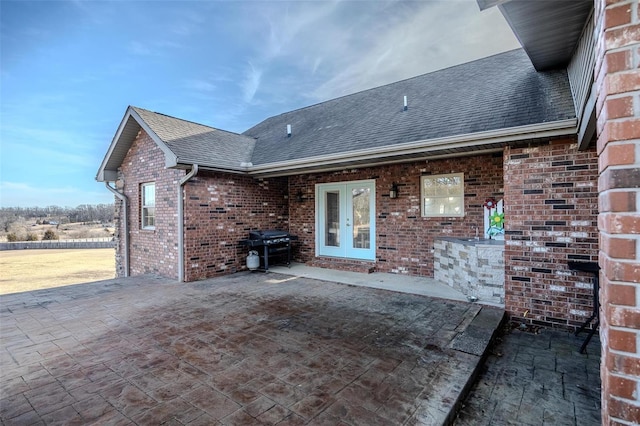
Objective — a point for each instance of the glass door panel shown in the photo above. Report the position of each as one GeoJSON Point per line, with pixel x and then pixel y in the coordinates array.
{"type": "Point", "coordinates": [360, 220]}
{"type": "Point", "coordinates": [346, 220]}
{"type": "Point", "coordinates": [361, 217]}
{"type": "Point", "coordinates": [332, 219]}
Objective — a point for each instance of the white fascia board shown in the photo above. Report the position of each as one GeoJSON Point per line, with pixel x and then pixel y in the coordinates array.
{"type": "Point", "coordinates": [381, 162]}
{"type": "Point", "coordinates": [587, 126]}
{"type": "Point", "coordinates": [186, 165]}
{"type": "Point", "coordinates": [534, 131]}
{"type": "Point", "coordinates": [486, 4]}
{"type": "Point", "coordinates": [102, 176]}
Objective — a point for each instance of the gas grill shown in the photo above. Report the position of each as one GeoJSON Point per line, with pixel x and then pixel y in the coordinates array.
{"type": "Point", "coordinates": [276, 245]}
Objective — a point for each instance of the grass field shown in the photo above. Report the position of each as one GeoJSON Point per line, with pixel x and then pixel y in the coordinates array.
{"type": "Point", "coordinates": [26, 270]}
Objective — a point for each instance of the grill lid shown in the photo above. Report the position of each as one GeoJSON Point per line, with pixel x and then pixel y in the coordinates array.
{"type": "Point", "coordinates": [267, 234]}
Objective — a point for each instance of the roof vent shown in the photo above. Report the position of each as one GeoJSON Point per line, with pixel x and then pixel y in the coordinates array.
{"type": "Point", "coordinates": [405, 103]}
{"type": "Point", "coordinates": [288, 130]}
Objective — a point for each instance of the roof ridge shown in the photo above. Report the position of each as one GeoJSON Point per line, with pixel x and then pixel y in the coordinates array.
{"type": "Point", "coordinates": [192, 122]}
{"type": "Point", "coordinates": [383, 85]}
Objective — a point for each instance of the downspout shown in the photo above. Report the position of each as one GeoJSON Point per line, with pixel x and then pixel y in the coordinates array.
{"type": "Point", "coordinates": [183, 181]}
{"type": "Point", "coordinates": [125, 225]}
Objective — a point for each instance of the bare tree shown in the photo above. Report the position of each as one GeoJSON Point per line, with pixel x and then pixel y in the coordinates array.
{"type": "Point", "coordinates": [102, 213]}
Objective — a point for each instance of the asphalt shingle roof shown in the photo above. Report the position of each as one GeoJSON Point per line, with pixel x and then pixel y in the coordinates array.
{"type": "Point", "coordinates": [501, 91]}
{"type": "Point", "coordinates": [197, 143]}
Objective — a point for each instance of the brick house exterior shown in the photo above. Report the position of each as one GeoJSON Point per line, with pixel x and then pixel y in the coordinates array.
{"type": "Point", "coordinates": [617, 83]}
{"type": "Point", "coordinates": [551, 203]}
{"type": "Point", "coordinates": [566, 196]}
{"type": "Point", "coordinates": [150, 252]}
{"type": "Point", "coordinates": [404, 238]}
{"type": "Point", "coordinates": [220, 209]}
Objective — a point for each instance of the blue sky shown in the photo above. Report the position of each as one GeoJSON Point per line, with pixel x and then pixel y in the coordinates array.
{"type": "Point", "coordinates": [69, 69]}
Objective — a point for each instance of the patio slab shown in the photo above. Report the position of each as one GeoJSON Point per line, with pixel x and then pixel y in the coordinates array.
{"type": "Point", "coordinates": [424, 286]}
{"type": "Point", "coordinates": [536, 377]}
{"type": "Point", "coordinates": [243, 349]}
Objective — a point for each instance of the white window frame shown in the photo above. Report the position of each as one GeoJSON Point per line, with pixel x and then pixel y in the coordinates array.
{"type": "Point", "coordinates": [145, 205]}
{"type": "Point", "coordinates": [459, 193]}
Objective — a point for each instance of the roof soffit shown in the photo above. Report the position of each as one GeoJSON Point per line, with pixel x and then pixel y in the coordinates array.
{"type": "Point", "coordinates": [548, 30]}
{"type": "Point", "coordinates": [127, 132]}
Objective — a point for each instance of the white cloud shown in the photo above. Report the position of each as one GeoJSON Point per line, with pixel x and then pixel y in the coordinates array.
{"type": "Point", "coordinates": [344, 47]}
{"type": "Point", "coordinates": [138, 48]}
{"type": "Point", "coordinates": [59, 149]}
{"type": "Point", "coordinates": [251, 82]}
{"type": "Point", "coordinates": [422, 38]}
{"type": "Point", "coordinates": [168, 44]}
{"type": "Point", "coordinates": [199, 85]}
{"type": "Point", "coordinates": [316, 64]}
{"type": "Point", "coordinates": [280, 35]}
{"type": "Point", "coordinates": [286, 26]}
{"type": "Point", "coordinates": [228, 64]}
{"type": "Point", "coordinates": [153, 48]}
{"type": "Point", "coordinates": [188, 22]}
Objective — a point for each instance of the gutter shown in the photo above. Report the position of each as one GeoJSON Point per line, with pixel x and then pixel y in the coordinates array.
{"type": "Point", "coordinates": [532, 131]}
{"type": "Point", "coordinates": [242, 170]}
{"type": "Point", "coordinates": [182, 182]}
{"type": "Point", "coordinates": [125, 226]}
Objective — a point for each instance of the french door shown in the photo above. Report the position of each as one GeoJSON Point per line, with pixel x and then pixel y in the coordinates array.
{"type": "Point", "coordinates": [345, 217]}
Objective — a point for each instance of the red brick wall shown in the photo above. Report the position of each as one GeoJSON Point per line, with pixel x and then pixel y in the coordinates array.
{"type": "Point", "coordinates": [617, 83]}
{"type": "Point", "coordinates": [151, 251]}
{"type": "Point", "coordinates": [551, 205]}
{"type": "Point", "coordinates": [220, 209]}
{"type": "Point", "coordinates": [404, 239]}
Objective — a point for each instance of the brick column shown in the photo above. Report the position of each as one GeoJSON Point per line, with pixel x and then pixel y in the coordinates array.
{"type": "Point", "coordinates": [617, 85]}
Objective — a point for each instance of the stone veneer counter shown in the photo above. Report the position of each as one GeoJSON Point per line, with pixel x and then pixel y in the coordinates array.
{"type": "Point", "coordinates": [474, 267]}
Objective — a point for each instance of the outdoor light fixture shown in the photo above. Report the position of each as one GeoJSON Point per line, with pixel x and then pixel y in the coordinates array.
{"type": "Point", "coordinates": [393, 192]}
{"type": "Point", "coordinates": [299, 196]}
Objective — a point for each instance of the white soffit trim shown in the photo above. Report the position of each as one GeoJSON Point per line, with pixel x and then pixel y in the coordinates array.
{"type": "Point", "coordinates": [183, 165]}
{"type": "Point", "coordinates": [102, 176]}
{"type": "Point", "coordinates": [374, 163]}
{"type": "Point", "coordinates": [534, 131]}
{"type": "Point", "coordinates": [105, 174]}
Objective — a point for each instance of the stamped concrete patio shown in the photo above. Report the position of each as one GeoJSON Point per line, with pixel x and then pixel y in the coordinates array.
{"type": "Point", "coordinates": [244, 349]}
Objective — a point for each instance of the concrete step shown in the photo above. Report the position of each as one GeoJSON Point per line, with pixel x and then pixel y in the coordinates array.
{"type": "Point", "coordinates": [363, 266]}
{"type": "Point", "coordinates": [476, 339]}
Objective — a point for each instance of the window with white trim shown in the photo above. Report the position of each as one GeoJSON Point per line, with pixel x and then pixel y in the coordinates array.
{"type": "Point", "coordinates": [442, 195]}
{"type": "Point", "coordinates": [148, 205]}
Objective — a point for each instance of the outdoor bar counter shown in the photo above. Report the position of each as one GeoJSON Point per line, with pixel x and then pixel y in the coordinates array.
{"type": "Point", "coordinates": [473, 266]}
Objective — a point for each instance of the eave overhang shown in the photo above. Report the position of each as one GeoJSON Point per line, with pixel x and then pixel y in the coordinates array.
{"type": "Point", "coordinates": [187, 165]}
{"type": "Point", "coordinates": [446, 147]}
{"type": "Point", "coordinates": [451, 146]}
{"type": "Point", "coordinates": [127, 132]}
{"type": "Point", "coordinates": [548, 30]}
